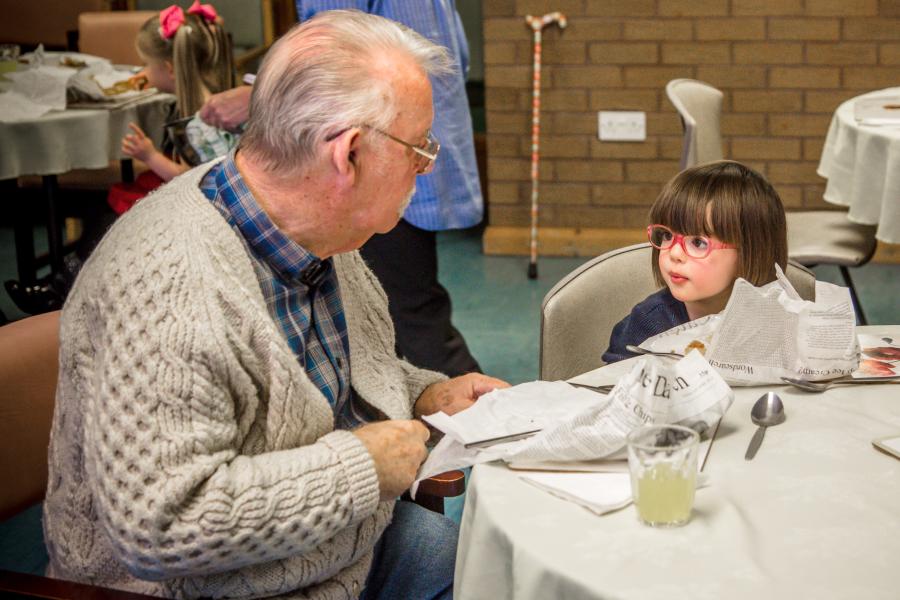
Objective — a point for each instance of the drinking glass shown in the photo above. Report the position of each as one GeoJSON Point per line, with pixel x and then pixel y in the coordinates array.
{"type": "Point", "coordinates": [662, 460]}
{"type": "Point", "coordinates": [9, 58]}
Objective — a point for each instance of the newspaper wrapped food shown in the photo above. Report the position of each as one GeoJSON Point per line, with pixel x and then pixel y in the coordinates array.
{"type": "Point", "coordinates": [769, 332]}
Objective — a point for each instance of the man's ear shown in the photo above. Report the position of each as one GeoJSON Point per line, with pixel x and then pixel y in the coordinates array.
{"type": "Point", "coordinates": [345, 155]}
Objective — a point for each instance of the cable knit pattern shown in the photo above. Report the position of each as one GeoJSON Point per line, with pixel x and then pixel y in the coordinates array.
{"type": "Point", "coordinates": [190, 455]}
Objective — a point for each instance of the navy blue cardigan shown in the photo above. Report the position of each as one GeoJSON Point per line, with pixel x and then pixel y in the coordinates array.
{"type": "Point", "coordinates": [657, 313]}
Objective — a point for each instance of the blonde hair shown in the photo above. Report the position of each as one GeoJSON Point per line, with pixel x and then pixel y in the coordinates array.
{"type": "Point", "coordinates": [200, 54]}
{"type": "Point", "coordinates": [319, 79]}
{"type": "Point", "coordinates": [733, 203]}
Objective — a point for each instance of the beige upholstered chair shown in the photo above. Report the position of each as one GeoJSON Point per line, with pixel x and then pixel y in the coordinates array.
{"type": "Point", "coordinates": [579, 313]}
{"type": "Point", "coordinates": [111, 34]}
{"type": "Point", "coordinates": [815, 237]}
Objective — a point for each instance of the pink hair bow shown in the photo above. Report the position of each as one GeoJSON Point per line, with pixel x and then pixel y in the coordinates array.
{"type": "Point", "coordinates": [170, 19]}
{"type": "Point", "coordinates": [207, 11]}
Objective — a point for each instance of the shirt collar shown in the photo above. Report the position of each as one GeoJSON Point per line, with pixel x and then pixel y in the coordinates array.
{"type": "Point", "coordinates": [287, 258]}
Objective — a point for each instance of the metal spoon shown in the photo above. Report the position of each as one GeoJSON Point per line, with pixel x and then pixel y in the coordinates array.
{"type": "Point", "coordinates": [766, 412]}
{"type": "Point", "coordinates": [639, 350]}
{"type": "Point", "coordinates": [821, 386]}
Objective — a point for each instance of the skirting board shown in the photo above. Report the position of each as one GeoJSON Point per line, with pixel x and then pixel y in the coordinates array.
{"type": "Point", "coordinates": [578, 241]}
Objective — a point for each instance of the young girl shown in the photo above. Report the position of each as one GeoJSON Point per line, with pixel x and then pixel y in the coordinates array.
{"type": "Point", "coordinates": [188, 54]}
{"type": "Point", "coordinates": [710, 225]}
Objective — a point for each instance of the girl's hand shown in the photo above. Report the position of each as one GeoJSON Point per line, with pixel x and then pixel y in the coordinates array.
{"type": "Point", "coordinates": [139, 80]}
{"type": "Point", "coordinates": [137, 144]}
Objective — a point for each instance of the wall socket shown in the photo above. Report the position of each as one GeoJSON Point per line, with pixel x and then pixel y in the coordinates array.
{"type": "Point", "coordinates": [622, 126]}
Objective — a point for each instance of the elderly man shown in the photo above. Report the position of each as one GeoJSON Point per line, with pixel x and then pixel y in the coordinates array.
{"type": "Point", "coordinates": [231, 418]}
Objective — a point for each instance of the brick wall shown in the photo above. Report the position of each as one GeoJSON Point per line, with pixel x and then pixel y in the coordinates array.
{"type": "Point", "coordinates": [784, 66]}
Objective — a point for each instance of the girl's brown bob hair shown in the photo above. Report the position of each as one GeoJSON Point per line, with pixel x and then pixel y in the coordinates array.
{"type": "Point", "coordinates": [733, 203]}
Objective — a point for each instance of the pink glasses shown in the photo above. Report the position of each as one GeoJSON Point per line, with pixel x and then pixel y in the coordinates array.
{"type": "Point", "coordinates": [695, 246]}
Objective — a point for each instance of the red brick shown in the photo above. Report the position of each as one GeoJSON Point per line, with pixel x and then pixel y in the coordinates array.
{"type": "Point", "coordinates": [500, 53]}
{"type": "Point", "coordinates": [693, 53]}
{"type": "Point", "coordinates": [670, 146]}
{"type": "Point", "coordinates": [624, 53]}
{"type": "Point", "coordinates": [732, 77]}
{"type": "Point", "coordinates": [621, 8]}
{"type": "Point", "coordinates": [740, 28]}
{"type": "Point", "coordinates": [633, 194]}
{"type": "Point", "coordinates": [593, 29]}
{"type": "Point", "coordinates": [791, 195]}
{"type": "Point", "coordinates": [842, 8]}
{"type": "Point", "coordinates": [812, 148]}
{"type": "Point", "coordinates": [645, 149]}
{"type": "Point", "coordinates": [890, 54]}
{"type": "Point", "coordinates": [498, 29]}
{"type": "Point", "coordinates": [584, 216]}
{"type": "Point", "coordinates": [812, 197]}
{"type": "Point", "coordinates": [658, 171]}
{"type": "Point", "coordinates": [505, 193]}
{"type": "Point", "coordinates": [589, 170]}
{"type": "Point", "coordinates": [503, 145]}
{"type": "Point", "coordinates": [799, 125]}
{"type": "Point", "coordinates": [498, 8]}
{"type": "Point", "coordinates": [766, 101]}
{"type": "Point", "coordinates": [870, 77]}
{"type": "Point", "coordinates": [501, 98]}
{"type": "Point", "coordinates": [654, 77]}
{"type": "Point", "coordinates": [590, 77]}
{"type": "Point", "coordinates": [658, 29]}
{"type": "Point", "coordinates": [570, 122]}
{"type": "Point", "coordinates": [872, 29]}
{"type": "Point", "coordinates": [780, 173]}
{"type": "Point", "coordinates": [637, 216]}
{"type": "Point", "coordinates": [743, 124]}
{"type": "Point", "coordinates": [766, 8]}
{"type": "Point", "coordinates": [804, 77]}
{"type": "Point", "coordinates": [693, 8]}
{"type": "Point", "coordinates": [507, 76]}
{"type": "Point", "coordinates": [564, 100]}
{"type": "Point", "coordinates": [564, 53]}
{"type": "Point", "coordinates": [663, 123]}
{"type": "Point", "coordinates": [559, 146]}
{"type": "Point", "coordinates": [570, 8]}
{"type": "Point", "coordinates": [604, 99]}
{"type": "Point", "coordinates": [565, 193]}
{"type": "Point", "coordinates": [763, 148]}
{"type": "Point", "coordinates": [803, 29]}
{"type": "Point", "coordinates": [827, 102]}
{"type": "Point", "coordinates": [512, 216]}
{"type": "Point", "coordinates": [848, 53]}
{"type": "Point", "coordinates": [768, 53]}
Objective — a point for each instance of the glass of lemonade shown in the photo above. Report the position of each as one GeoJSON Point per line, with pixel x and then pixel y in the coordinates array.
{"type": "Point", "coordinates": [9, 57]}
{"type": "Point", "coordinates": [662, 460]}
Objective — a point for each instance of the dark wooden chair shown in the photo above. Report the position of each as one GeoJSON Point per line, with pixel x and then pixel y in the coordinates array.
{"type": "Point", "coordinates": [29, 364]}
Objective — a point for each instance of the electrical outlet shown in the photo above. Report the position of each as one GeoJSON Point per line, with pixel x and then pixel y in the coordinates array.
{"type": "Point", "coordinates": [622, 126]}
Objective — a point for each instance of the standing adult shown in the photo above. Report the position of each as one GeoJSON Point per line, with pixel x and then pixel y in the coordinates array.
{"type": "Point", "coordinates": [231, 418]}
{"type": "Point", "coordinates": [405, 259]}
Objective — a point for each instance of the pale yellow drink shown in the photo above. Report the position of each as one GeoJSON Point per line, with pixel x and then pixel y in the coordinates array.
{"type": "Point", "coordinates": [665, 495]}
{"type": "Point", "coordinates": [662, 460]}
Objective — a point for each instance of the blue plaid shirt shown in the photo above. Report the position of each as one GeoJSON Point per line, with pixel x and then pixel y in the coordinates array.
{"type": "Point", "coordinates": [450, 196]}
{"type": "Point", "coordinates": [301, 292]}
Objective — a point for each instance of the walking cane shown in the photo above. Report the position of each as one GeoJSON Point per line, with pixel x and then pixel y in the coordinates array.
{"type": "Point", "coordinates": [537, 24]}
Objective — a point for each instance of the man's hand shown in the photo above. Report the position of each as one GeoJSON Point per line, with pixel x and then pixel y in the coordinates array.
{"type": "Point", "coordinates": [398, 448]}
{"type": "Point", "coordinates": [456, 394]}
{"type": "Point", "coordinates": [229, 109]}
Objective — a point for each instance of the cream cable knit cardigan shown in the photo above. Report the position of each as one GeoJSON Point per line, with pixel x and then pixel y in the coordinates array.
{"type": "Point", "coordinates": [190, 454]}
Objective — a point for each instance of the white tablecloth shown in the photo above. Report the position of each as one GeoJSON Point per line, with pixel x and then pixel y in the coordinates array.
{"type": "Point", "coordinates": [862, 165]}
{"type": "Point", "coordinates": [78, 138]}
{"type": "Point", "coordinates": [815, 515]}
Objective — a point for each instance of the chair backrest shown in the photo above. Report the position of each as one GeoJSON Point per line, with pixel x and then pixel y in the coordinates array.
{"type": "Point", "coordinates": [700, 107]}
{"type": "Point", "coordinates": [111, 34]}
{"type": "Point", "coordinates": [29, 360]}
{"type": "Point", "coordinates": [579, 313]}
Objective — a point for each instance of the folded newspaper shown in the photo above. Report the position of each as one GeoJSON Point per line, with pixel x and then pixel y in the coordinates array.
{"type": "Point", "coordinates": [576, 424]}
{"type": "Point", "coordinates": [769, 332]}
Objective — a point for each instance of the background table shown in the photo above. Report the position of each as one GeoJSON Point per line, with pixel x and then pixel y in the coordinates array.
{"type": "Point", "coordinates": [862, 165]}
{"type": "Point", "coordinates": [814, 515]}
{"type": "Point", "coordinates": [61, 141]}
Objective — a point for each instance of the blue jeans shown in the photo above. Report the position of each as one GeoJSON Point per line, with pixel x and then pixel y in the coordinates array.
{"type": "Point", "coordinates": [415, 557]}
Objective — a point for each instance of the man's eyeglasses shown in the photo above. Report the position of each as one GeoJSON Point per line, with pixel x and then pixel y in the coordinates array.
{"type": "Point", "coordinates": [695, 246]}
{"type": "Point", "coordinates": [425, 154]}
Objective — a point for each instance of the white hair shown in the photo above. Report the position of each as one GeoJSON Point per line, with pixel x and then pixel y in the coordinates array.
{"type": "Point", "coordinates": [319, 79]}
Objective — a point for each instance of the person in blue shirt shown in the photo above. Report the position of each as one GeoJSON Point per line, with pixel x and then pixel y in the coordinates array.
{"type": "Point", "coordinates": [405, 259]}
{"type": "Point", "coordinates": [710, 225]}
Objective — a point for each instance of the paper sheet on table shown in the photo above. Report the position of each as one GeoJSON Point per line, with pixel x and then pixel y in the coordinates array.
{"type": "Point", "coordinates": [600, 493]}
{"type": "Point", "coordinates": [769, 332]}
{"type": "Point", "coordinates": [879, 356]}
{"type": "Point", "coordinates": [578, 424]}
{"type": "Point", "coordinates": [877, 111]}
{"type": "Point", "coordinates": [16, 107]}
{"type": "Point", "coordinates": [44, 86]}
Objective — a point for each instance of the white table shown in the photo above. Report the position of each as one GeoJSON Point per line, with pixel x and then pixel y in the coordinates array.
{"type": "Point", "coordinates": [862, 165]}
{"type": "Point", "coordinates": [61, 141]}
{"type": "Point", "coordinates": [815, 515]}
